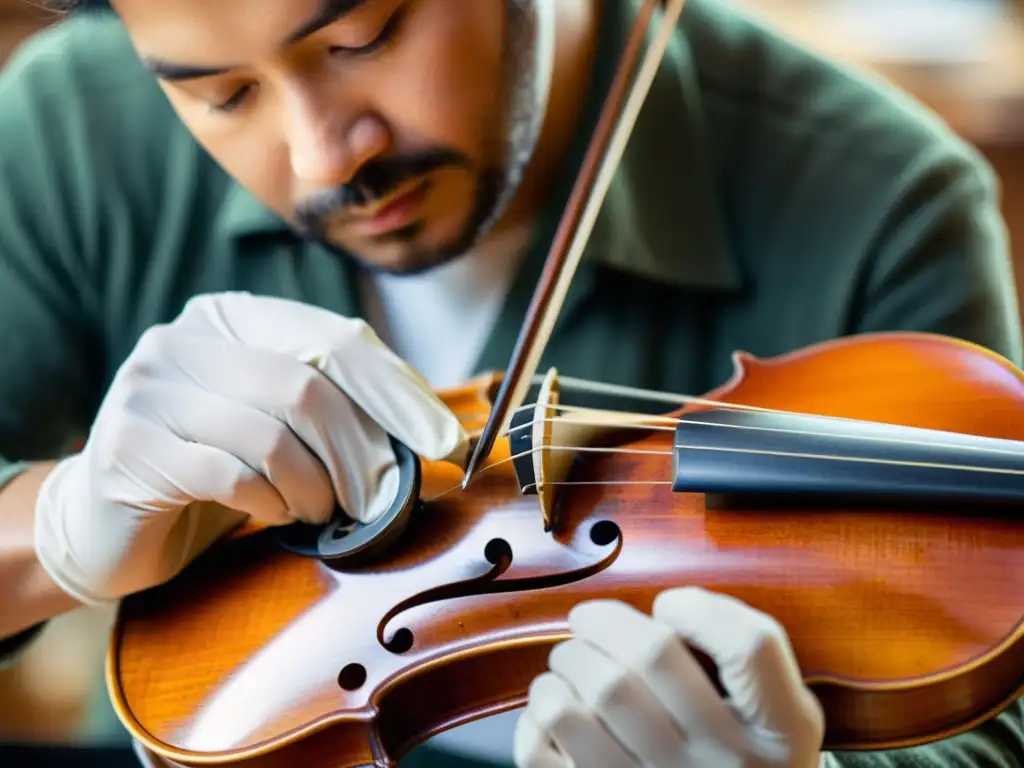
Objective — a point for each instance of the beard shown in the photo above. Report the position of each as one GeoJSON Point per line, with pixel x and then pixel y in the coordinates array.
{"type": "Point", "coordinates": [527, 61]}
{"type": "Point", "coordinates": [416, 259]}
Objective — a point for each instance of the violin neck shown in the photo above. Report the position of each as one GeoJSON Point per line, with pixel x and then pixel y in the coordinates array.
{"type": "Point", "coordinates": [776, 456]}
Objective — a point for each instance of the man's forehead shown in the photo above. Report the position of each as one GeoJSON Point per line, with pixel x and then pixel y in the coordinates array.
{"type": "Point", "coordinates": [199, 34]}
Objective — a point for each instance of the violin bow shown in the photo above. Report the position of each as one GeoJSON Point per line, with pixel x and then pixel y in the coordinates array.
{"type": "Point", "coordinates": [600, 163]}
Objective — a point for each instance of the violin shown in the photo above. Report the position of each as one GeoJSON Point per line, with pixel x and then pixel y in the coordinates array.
{"type": "Point", "coordinates": [864, 491]}
{"type": "Point", "coordinates": [861, 491]}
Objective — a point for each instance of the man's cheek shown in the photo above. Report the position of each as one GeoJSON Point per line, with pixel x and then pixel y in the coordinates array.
{"type": "Point", "coordinates": [448, 76]}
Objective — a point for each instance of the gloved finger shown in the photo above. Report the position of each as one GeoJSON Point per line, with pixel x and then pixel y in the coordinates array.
{"type": "Point", "coordinates": [349, 353]}
{"type": "Point", "coordinates": [656, 655]}
{"type": "Point", "coordinates": [564, 720]}
{"type": "Point", "coordinates": [622, 701]}
{"type": "Point", "coordinates": [258, 439]}
{"type": "Point", "coordinates": [756, 663]}
{"type": "Point", "coordinates": [533, 749]}
{"type": "Point", "coordinates": [174, 472]}
{"type": "Point", "coordinates": [354, 450]}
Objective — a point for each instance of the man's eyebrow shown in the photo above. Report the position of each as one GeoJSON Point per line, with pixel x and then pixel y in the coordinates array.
{"type": "Point", "coordinates": [329, 12]}
{"type": "Point", "coordinates": [168, 70]}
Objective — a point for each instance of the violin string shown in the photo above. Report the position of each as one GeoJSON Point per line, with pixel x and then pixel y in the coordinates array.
{"type": "Point", "coordinates": [586, 386]}
{"type": "Point", "coordinates": [618, 390]}
{"type": "Point", "coordinates": [826, 457]}
{"type": "Point", "coordinates": [721, 449]}
{"type": "Point", "coordinates": [639, 423]}
{"type": "Point", "coordinates": [622, 418]}
{"type": "Point", "coordinates": [528, 486]}
{"type": "Point", "coordinates": [579, 449]}
{"type": "Point", "coordinates": [857, 459]}
{"type": "Point", "coordinates": [656, 422]}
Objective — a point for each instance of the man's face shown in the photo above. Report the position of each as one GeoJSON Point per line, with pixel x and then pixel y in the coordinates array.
{"type": "Point", "coordinates": [376, 126]}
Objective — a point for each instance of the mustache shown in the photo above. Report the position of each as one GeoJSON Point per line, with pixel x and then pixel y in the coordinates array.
{"type": "Point", "coordinates": [375, 181]}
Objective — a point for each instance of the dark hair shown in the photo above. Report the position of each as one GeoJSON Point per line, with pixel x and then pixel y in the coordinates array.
{"type": "Point", "coordinates": [66, 6]}
{"type": "Point", "coordinates": [54, 6]}
{"type": "Point", "coordinates": [61, 7]}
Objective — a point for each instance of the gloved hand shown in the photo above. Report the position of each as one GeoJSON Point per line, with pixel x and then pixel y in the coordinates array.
{"type": "Point", "coordinates": [626, 692]}
{"type": "Point", "coordinates": [243, 406]}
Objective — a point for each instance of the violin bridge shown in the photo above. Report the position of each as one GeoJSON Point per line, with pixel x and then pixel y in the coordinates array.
{"type": "Point", "coordinates": [559, 436]}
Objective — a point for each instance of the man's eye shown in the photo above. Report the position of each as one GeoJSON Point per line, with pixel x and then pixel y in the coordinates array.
{"type": "Point", "coordinates": [233, 102]}
{"type": "Point", "coordinates": [387, 33]}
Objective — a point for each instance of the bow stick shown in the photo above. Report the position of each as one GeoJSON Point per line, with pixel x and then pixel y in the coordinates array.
{"type": "Point", "coordinates": [599, 166]}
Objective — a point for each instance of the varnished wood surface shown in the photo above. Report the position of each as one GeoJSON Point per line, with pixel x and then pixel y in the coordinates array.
{"type": "Point", "coordinates": [906, 623]}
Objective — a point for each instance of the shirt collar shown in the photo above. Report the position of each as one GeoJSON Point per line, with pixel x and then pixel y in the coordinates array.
{"type": "Point", "coordinates": [660, 219]}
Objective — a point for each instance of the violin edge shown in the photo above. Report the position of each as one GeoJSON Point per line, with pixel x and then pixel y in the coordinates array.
{"type": "Point", "coordinates": [954, 687]}
{"type": "Point", "coordinates": [859, 716]}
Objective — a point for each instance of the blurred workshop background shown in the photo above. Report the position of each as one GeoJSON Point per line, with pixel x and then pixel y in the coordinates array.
{"type": "Point", "coordinates": [962, 58]}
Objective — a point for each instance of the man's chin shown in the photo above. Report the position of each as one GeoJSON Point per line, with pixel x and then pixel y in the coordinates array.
{"type": "Point", "coordinates": [407, 263]}
{"type": "Point", "coordinates": [422, 244]}
{"type": "Point", "coordinates": [402, 252]}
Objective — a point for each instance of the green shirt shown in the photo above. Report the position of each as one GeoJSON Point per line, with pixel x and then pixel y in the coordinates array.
{"type": "Point", "coordinates": [768, 200]}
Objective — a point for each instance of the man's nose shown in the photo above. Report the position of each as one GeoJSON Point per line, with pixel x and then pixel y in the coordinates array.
{"type": "Point", "coordinates": [328, 146]}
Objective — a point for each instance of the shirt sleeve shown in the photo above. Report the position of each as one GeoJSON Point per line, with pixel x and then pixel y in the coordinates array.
{"type": "Point", "coordinates": [942, 264]}
{"type": "Point", "coordinates": [998, 743]}
{"type": "Point", "coordinates": [51, 356]}
{"type": "Point", "coordinates": [941, 259]}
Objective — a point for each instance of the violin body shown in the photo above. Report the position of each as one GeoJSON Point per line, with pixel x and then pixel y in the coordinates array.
{"type": "Point", "coordinates": [905, 616]}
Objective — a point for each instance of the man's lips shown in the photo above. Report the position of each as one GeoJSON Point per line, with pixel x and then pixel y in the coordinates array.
{"type": "Point", "coordinates": [395, 214]}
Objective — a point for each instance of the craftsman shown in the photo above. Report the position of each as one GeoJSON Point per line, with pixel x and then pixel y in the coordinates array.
{"type": "Point", "coordinates": [241, 242]}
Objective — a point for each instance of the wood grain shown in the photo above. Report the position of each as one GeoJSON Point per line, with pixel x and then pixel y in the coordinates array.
{"type": "Point", "coordinates": [906, 623]}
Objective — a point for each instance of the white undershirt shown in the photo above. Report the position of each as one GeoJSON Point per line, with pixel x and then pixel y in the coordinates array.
{"type": "Point", "coordinates": [438, 322]}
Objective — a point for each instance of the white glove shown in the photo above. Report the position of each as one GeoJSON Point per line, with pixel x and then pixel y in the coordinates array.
{"type": "Point", "coordinates": [626, 692]}
{"type": "Point", "coordinates": [243, 406]}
